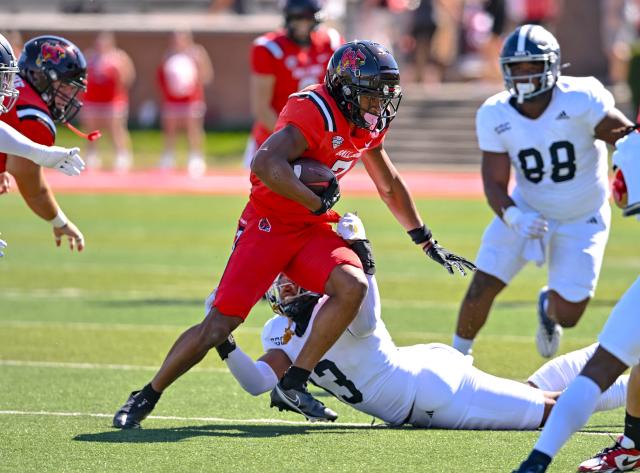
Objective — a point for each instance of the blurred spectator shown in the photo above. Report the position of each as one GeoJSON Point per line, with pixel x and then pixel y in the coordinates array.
{"type": "Point", "coordinates": [285, 61]}
{"type": "Point", "coordinates": [538, 12]}
{"type": "Point", "coordinates": [182, 75]}
{"type": "Point", "coordinates": [619, 20]}
{"type": "Point", "coordinates": [106, 103]}
{"type": "Point", "coordinates": [490, 48]}
{"type": "Point", "coordinates": [380, 21]}
{"type": "Point", "coordinates": [228, 6]}
{"type": "Point", "coordinates": [423, 27]}
{"type": "Point", "coordinates": [445, 45]}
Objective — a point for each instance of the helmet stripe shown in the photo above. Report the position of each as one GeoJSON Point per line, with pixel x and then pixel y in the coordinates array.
{"type": "Point", "coordinates": [522, 37]}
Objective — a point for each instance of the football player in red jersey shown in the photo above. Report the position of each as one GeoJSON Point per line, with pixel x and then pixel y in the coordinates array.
{"type": "Point", "coordinates": [285, 226]}
{"type": "Point", "coordinates": [52, 71]}
{"type": "Point", "coordinates": [286, 61]}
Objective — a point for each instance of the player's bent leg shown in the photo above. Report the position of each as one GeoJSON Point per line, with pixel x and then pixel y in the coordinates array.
{"type": "Point", "coordinates": [188, 350]}
{"type": "Point", "coordinates": [603, 368]}
{"type": "Point", "coordinates": [476, 305]}
{"type": "Point", "coordinates": [566, 313]}
{"type": "Point", "coordinates": [346, 287]}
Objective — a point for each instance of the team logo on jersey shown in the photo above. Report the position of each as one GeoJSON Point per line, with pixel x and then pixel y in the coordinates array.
{"type": "Point", "coordinates": [50, 52]}
{"type": "Point", "coordinates": [351, 60]}
{"type": "Point", "coordinates": [563, 116]}
{"type": "Point", "coordinates": [502, 128]}
{"type": "Point", "coordinates": [337, 141]}
{"type": "Point", "coordinates": [264, 225]}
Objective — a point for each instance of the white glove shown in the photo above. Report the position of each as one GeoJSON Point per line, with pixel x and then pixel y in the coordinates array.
{"type": "Point", "coordinates": [65, 160]}
{"type": "Point", "coordinates": [350, 227]}
{"type": "Point", "coordinates": [526, 224]}
{"type": "Point", "coordinates": [3, 244]}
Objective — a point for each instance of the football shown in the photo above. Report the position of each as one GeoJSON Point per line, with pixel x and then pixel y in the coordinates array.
{"type": "Point", "coordinates": [313, 174]}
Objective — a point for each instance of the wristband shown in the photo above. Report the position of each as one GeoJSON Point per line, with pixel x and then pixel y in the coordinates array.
{"type": "Point", "coordinates": [226, 347]}
{"type": "Point", "coordinates": [60, 220]}
{"type": "Point", "coordinates": [420, 235]}
{"type": "Point", "coordinates": [510, 214]}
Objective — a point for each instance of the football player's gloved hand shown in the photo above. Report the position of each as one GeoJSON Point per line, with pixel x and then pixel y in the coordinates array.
{"type": "Point", "coordinates": [526, 224]}
{"type": "Point", "coordinates": [329, 197]}
{"type": "Point", "coordinates": [447, 259]}
{"type": "Point", "coordinates": [226, 347]}
{"type": "Point", "coordinates": [67, 161]}
{"type": "Point", "coordinates": [350, 227]}
{"type": "Point", "coordinates": [73, 234]}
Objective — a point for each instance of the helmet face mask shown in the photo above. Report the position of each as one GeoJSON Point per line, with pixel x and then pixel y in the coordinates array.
{"type": "Point", "coordinates": [8, 70]}
{"type": "Point", "coordinates": [57, 70]}
{"type": "Point", "coordinates": [292, 301]}
{"type": "Point", "coordinates": [364, 79]}
{"type": "Point", "coordinates": [530, 44]}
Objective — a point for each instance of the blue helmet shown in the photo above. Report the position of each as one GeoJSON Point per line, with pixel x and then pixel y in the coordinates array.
{"type": "Point", "coordinates": [530, 43]}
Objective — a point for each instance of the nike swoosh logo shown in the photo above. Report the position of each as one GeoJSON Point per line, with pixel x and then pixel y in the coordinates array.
{"type": "Point", "coordinates": [627, 461]}
{"type": "Point", "coordinates": [293, 401]}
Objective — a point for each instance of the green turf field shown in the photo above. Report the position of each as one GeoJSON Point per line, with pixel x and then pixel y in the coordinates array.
{"type": "Point", "coordinates": [78, 332]}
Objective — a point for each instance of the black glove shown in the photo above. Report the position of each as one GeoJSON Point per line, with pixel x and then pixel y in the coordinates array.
{"type": "Point", "coordinates": [362, 248]}
{"type": "Point", "coordinates": [226, 347]}
{"type": "Point", "coordinates": [447, 259]}
{"type": "Point", "coordinates": [329, 197]}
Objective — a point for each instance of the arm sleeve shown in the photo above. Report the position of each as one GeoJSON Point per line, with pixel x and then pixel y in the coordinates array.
{"type": "Point", "coordinates": [255, 377]}
{"type": "Point", "coordinates": [367, 318]}
{"type": "Point", "coordinates": [488, 139]}
{"type": "Point", "coordinates": [303, 114]}
{"type": "Point", "coordinates": [15, 143]}
{"type": "Point", "coordinates": [600, 102]}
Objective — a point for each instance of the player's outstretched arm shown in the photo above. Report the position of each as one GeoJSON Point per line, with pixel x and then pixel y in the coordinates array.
{"type": "Point", "coordinates": [67, 161]}
{"type": "Point", "coordinates": [38, 196]}
{"type": "Point", "coordinates": [255, 377]}
{"type": "Point", "coordinates": [395, 194]}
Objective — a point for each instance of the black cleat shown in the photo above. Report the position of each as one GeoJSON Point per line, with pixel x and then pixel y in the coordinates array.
{"type": "Point", "coordinates": [134, 411]}
{"type": "Point", "coordinates": [302, 402]}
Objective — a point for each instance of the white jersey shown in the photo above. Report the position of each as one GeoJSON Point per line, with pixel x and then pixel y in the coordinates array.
{"type": "Point", "coordinates": [369, 373]}
{"type": "Point", "coordinates": [560, 168]}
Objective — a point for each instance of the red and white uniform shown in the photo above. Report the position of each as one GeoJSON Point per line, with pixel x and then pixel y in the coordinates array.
{"type": "Point", "coordinates": [293, 66]}
{"type": "Point", "coordinates": [181, 86]}
{"type": "Point", "coordinates": [276, 234]}
{"type": "Point", "coordinates": [30, 116]}
{"type": "Point", "coordinates": [106, 93]}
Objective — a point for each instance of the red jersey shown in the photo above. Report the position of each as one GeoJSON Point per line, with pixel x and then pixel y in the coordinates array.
{"type": "Point", "coordinates": [30, 116]}
{"type": "Point", "coordinates": [179, 79]}
{"type": "Point", "coordinates": [330, 140]}
{"type": "Point", "coordinates": [294, 67]}
{"type": "Point", "coordinates": [104, 83]}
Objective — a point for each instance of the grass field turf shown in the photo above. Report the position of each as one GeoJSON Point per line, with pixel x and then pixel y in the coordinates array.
{"type": "Point", "coordinates": [78, 332]}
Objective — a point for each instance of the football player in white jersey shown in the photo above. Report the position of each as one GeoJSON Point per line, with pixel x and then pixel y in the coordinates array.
{"type": "Point", "coordinates": [430, 385]}
{"type": "Point", "coordinates": [552, 130]}
{"type": "Point", "coordinates": [619, 348]}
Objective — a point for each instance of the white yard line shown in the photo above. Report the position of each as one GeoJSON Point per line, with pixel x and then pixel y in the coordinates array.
{"type": "Point", "coordinates": [91, 366]}
{"type": "Point", "coordinates": [222, 419]}
{"type": "Point", "coordinates": [179, 418]}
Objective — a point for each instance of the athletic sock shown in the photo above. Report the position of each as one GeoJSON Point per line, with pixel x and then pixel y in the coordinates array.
{"type": "Point", "coordinates": [572, 411]}
{"type": "Point", "coordinates": [463, 345]}
{"type": "Point", "coordinates": [295, 377]}
{"type": "Point", "coordinates": [150, 394]}
{"type": "Point", "coordinates": [632, 429]}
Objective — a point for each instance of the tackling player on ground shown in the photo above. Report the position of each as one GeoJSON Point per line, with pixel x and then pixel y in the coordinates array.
{"type": "Point", "coordinates": [428, 385]}
{"type": "Point", "coordinates": [551, 129]}
{"type": "Point", "coordinates": [619, 349]}
{"type": "Point", "coordinates": [285, 226]}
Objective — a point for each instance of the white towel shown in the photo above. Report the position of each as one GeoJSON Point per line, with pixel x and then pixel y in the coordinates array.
{"type": "Point", "coordinates": [534, 250]}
